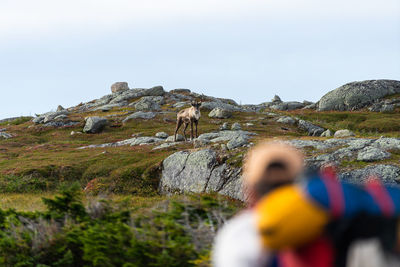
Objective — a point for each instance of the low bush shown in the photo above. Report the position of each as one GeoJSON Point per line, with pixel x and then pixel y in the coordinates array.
{"type": "Point", "coordinates": [173, 233]}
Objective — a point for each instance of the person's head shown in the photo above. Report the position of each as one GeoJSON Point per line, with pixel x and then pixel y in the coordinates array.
{"type": "Point", "coordinates": [269, 165]}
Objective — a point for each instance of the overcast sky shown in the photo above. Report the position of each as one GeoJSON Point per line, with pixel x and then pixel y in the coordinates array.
{"type": "Point", "coordinates": [67, 52]}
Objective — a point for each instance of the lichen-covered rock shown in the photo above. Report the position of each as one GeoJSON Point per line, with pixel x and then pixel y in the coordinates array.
{"type": "Point", "coordinates": [219, 104]}
{"type": "Point", "coordinates": [119, 87]}
{"type": "Point", "coordinates": [224, 126]}
{"type": "Point", "coordinates": [5, 135]}
{"type": "Point", "coordinates": [356, 95]}
{"type": "Point", "coordinates": [311, 129]}
{"type": "Point", "coordinates": [387, 143]}
{"type": "Point", "coordinates": [162, 135]}
{"type": "Point", "coordinates": [387, 173]}
{"type": "Point", "coordinates": [199, 172]}
{"type": "Point", "coordinates": [94, 124]}
{"type": "Point", "coordinates": [276, 99]}
{"type": "Point", "coordinates": [287, 105]}
{"type": "Point", "coordinates": [147, 103]}
{"type": "Point", "coordinates": [144, 140]}
{"type": "Point", "coordinates": [372, 154]}
{"type": "Point", "coordinates": [220, 113]}
{"type": "Point", "coordinates": [236, 126]}
{"type": "Point", "coordinates": [180, 91]}
{"type": "Point", "coordinates": [343, 133]}
{"type": "Point", "coordinates": [179, 138]}
{"type": "Point", "coordinates": [140, 115]}
{"type": "Point", "coordinates": [155, 91]}
{"type": "Point", "coordinates": [286, 120]}
{"type": "Point", "coordinates": [239, 141]}
{"type": "Point", "coordinates": [327, 133]}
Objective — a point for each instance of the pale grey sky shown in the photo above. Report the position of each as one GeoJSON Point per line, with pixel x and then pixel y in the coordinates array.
{"type": "Point", "coordinates": [66, 52]}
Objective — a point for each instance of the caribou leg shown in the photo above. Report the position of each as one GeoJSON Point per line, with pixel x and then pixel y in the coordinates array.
{"type": "Point", "coordinates": [178, 125]}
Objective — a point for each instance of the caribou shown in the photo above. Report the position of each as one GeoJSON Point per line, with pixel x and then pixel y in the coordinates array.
{"type": "Point", "coordinates": [188, 116]}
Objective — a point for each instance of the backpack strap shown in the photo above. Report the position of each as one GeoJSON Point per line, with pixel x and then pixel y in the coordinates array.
{"type": "Point", "coordinates": [335, 191]}
{"type": "Point", "coordinates": [381, 196]}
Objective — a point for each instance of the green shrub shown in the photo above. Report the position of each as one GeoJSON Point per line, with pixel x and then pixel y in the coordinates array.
{"type": "Point", "coordinates": [172, 233]}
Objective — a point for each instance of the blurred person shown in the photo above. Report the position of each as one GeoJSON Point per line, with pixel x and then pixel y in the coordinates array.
{"type": "Point", "coordinates": [326, 222]}
{"type": "Point", "coordinates": [266, 167]}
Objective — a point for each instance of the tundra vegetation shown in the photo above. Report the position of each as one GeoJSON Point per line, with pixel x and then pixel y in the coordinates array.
{"type": "Point", "coordinates": [65, 206]}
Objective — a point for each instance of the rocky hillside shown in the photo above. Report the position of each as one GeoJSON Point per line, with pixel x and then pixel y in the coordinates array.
{"type": "Point", "coordinates": [123, 142]}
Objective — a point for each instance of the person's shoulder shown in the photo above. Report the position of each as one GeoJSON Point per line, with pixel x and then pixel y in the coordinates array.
{"type": "Point", "coordinates": [238, 243]}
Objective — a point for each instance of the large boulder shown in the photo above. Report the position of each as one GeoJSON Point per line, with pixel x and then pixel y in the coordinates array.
{"type": "Point", "coordinates": [343, 133]}
{"type": "Point", "coordinates": [94, 124]}
{"type": "Point", "coordinates": [356, 95]}
{"type": "Point", "coordinates": [119, 87]}
{"type": "Point", "coordinates": [311, 129]}
{"type": "Point", "coordinates": [220, 113]}
{"type": "Point", "coordinates": [199, 172]}
{"type": "Point", "coordinates": [155, 91]}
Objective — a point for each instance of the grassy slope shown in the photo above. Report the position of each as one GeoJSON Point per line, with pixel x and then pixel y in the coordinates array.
{"type": "Point", "coordinates": [40, 159]}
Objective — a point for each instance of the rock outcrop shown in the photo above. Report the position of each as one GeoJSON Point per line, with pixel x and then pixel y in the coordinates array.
{"type": "Point", "coordinates": [220, 113]}
{"type": "Point", "coordinates": [119, 87]}
{"type": "Point", "coordinates": [357, 95]}
{"type": "Point", "coordinates": [94, 124]}
{"type": "Point", "coordinates": [199, 172]}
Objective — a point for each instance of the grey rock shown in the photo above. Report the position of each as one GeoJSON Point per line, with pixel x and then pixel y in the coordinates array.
{"type": "Point", "coordinates": [180, 91]}
{"type": "Point", "coordinates": [179, 138]}
{"type": "Point", "coordinates": [108, 107]}
{"type": "Point", "coordinates": [5, 135]}
{"type": "Point", "coordinates": [94, 124]}
{"type": "Point", "coordinates": [387, 143]}
{"type": "Point", "coordinates": [119, 87]}
{"type": "Point", "coordinates": [144, 140]}
{"type": "Point", "coordinates": [162, 135]}
{"type": "Point", "coordinates": [127, 95]}
{"type": "Point", "coordinates": [164, 145]}
{"type": "Point", "coordinates": [147, 103]}
{"type": "Point", "coordinates": [387, 108]}
{"type": "Point", "coordinates": [287, 106]}
{"type": "Point", "coordinates": [140, 115]}
{"type": "Point", "coordinates": [199, 172]}
{"type": "Point", "coordinates": [60, 108]}
{"type": "Point", "coordinates": [319, 145]}
{"type": "Point", "coordinates": [220, 113]}
{"type": "Point", "coordinates": [38, 120]}
{"type": "Point", "coordinates": [286, 120]}
{"type": "Point", "coordinates": [358, 144]}
{"type": "Point", "coordinates": [343, 133]}
{"type": "Point", "coordinates": [188, 172]}
{"type": "Point", "coordinates": [61, 117]}
{"type": "Point", "coordinates": [327, 133]}
{"type": "Point", "coordinates": [59, 124]}
{"type": "Point", "coordinates": [387, 173]}
{"type": "Point", "coordinates": [357, 95]}
{"type": "Point", "coordinates": [311, 129]}
{"type": "Point", "coordinates": [372, 154]}
{"type": "Point", "coordinates": [311, 106]}
{"type": "Point", "coordinates": [200, 142]}
{"type": "Point", "coordinates": [219, 104]}
{"type": "Point", "coordinates": [3, 130]}
{"type": "Point", "coordinates": [224, 126]}
{"type": "Point", "coordinates": [276, 99]}
{"type": "Point", "coordinates": [239, 141]}
{"type": "Point", "coordinates": [155, 91]}
{"type": "Point", "coordinates": [236, 127]}
{"type": "Point", "coordinates": [180, 104]}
